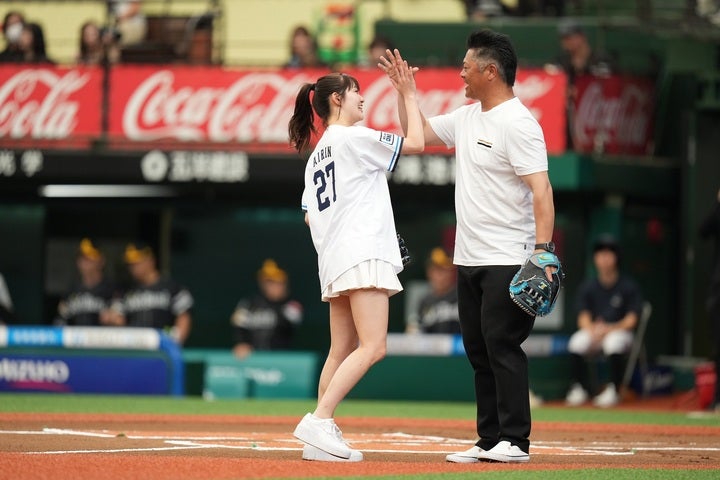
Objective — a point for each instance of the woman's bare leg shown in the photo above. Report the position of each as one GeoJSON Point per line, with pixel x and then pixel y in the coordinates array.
{"type": "Point", "coordinates": [343, 340]}
{"type": "Point", "coordinates": [369, 309]}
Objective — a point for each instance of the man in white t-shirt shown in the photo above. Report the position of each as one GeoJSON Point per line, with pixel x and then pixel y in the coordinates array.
{"type": "Point", "coordinates": [505, 213]}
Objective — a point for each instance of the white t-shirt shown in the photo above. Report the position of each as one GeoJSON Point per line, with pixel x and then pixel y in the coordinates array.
{"type": "Point", "coordinates": [494, 207]}
{"type": "Point", "coordinates": [347, 199]}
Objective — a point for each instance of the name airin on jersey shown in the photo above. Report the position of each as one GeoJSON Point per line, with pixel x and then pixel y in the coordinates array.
{"type": "Point", "coordinates": [322, 154]}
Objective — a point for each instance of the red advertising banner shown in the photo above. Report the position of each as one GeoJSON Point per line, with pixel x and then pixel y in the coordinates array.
{"type": "Point", "coordinates": [208, 105]}
{"type": "Point", "coordinates": [614, 115]}
{"type": "Point", "coordinates": [49, 104]}
{"type": "Point", "coordinates": [218, 108]}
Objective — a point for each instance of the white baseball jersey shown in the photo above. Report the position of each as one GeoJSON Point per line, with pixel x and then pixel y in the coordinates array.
{"type": "Point", "coordinates": [494, 207]}
{"type": "Point", "coordinates": [347, 199]}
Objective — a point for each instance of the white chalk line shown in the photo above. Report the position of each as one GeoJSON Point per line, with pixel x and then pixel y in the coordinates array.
{"type": "Point", "coordinates": [256, 443]}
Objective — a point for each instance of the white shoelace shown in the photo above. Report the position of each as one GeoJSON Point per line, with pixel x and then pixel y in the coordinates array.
{"type": "Point", "coordinates": [338, 433]}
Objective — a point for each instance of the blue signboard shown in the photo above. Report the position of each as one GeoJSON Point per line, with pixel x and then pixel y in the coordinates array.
{"type": "Point", "coordinates": [112, 360]}
{"type": "Point", "coordinates": [87, 373]}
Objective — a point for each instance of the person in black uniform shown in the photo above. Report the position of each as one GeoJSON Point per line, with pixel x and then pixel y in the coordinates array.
{"type": "Point", "coordinates": [609, 306]}
{"type": "Point", "coordinates": [268, 320]}
{"type": "Point", "coordinates": [438, 309]}
{"type": "Point", "coordinates": [88, 302]}
{"type": "Point", "coordinates": [710, 228]}
{"type": "Point", "coordinates": [154, 301]}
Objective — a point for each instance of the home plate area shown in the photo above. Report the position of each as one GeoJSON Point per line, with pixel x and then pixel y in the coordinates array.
{"type": "Point", "coordinates": [384, 443]}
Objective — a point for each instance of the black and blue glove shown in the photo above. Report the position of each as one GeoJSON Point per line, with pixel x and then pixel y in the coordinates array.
{"type": "Point", "coordinates": [530, 288]}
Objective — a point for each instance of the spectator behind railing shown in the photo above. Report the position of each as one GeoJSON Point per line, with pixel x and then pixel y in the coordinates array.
{"type": "Point", "coordinates": [32, 44]}
{"type": "Point", "coordinates": [376, 49]}
{"type": "Point", "coordinates": [479, 10]}
{"type": "Point", "coordinates": [303, 50]}
{"type": "Point", "coordinates": [12, 27]}
{"type": "Point", "coordinates": [577, 58]}
{"type": "Point", "coordinates": [129, 21]}
{"type": "Point", "coordinates": [97, 45]}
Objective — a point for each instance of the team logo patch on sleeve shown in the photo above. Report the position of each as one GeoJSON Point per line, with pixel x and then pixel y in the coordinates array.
{"type": "Point", "coordinates": [387, 138]}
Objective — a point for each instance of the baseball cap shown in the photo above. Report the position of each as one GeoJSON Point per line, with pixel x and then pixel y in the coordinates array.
{"type": "Point", "coordinates": [135, 252]}
{"type": "Point", "coordinates": [271, 271]}
{"type": "Point", "coordinates": [569, 26]}
{"type": "Point", "coordinates": [88, 250]}
{"type": "Point", "coordinates": [440, 258]}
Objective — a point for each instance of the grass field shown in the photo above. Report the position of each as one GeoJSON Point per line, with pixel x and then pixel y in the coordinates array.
{"type": "Point", "coordinates": [53, 403]}
{"type": "Point", "coordinates": [24, 404]}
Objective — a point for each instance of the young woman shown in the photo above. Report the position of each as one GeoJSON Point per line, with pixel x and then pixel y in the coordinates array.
{"type": "Point", "coordinates": [347, 207]}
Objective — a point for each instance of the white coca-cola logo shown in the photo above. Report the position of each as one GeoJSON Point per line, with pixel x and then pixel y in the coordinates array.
{"type": "Point", "coordinates": [622, 120]}
{"type": "Point", "coordinates": [36, 103]}
{"type": "Point", "coordinates": [255, 108]}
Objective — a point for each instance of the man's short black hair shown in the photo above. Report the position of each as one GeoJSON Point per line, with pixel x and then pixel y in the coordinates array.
{"type": "Point", "coordinates": [497, 47]}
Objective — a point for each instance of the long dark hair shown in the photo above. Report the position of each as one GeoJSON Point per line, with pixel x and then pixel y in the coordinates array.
{"type": "Point", "coordinates": [38, 46]}
{"type": "Point", "coordinates": [302, 126]}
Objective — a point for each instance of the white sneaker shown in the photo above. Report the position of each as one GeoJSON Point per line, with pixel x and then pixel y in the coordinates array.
{"type": "Point", "coordinates": [576, 396]}
{"type": "Point", "coordinates": [608, 398]}
{"type": "Point", "coordinates": [314, 453]}
{"type": "Point", "coordinates": [322, 433]}
{"type": "Point", "coordinates": [505, 452]}
{"type": "Point", "coordinates": [471, 455]}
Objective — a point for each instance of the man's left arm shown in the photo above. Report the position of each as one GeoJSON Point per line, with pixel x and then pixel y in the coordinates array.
{"type": "Point", "coordinates": [543, 205]}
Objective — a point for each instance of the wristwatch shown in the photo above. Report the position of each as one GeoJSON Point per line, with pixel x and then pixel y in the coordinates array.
{"type": "Point", "coordinates": [548, 247]}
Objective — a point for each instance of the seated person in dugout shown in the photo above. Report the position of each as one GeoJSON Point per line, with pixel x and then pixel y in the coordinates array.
{"type": "Point", "coordinates": [609, 306]}
{"type": "Point", "coordinates": [438, 310]}
{"type": "Point", "coordinates": [153, 301]}
{"type": "Point", "coordinates": [88, 302]}
{"type": "Point", "coordinates": [266, 321]}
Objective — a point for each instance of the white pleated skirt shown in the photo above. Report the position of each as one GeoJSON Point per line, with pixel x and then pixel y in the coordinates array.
{"type": "Point", "coordinates": [368, 274]}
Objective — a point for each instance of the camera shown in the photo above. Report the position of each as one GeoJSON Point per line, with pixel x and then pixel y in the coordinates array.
{"type": "Point", "coordinates": [110, 33]}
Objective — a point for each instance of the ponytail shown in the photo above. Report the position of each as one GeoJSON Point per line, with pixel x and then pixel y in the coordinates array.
{"type": "Point", "coordinates": [301, 126]}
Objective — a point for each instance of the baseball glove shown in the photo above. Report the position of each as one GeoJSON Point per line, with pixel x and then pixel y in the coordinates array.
{"type": "Point", "coordinates": [530, 288]}
{"type": "Point", "coordinates": [404, 253]}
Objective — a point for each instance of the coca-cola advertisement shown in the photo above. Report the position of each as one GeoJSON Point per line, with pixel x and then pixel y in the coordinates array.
{"type": "Point", "coordinates": [221, 106]}
{"type": "Point", "coordinates": [214, 108]}
{"type": "Point", "coordinates": [614, 115]}
{"type": "Point", "coordinates": [45, 105]}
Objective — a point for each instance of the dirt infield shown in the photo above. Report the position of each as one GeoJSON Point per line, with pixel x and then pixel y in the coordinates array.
{"type": "Point", "coordinates": [198, 447]}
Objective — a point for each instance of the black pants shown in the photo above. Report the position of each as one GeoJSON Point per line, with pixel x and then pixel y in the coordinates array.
{"type": "Point", "coordinates": [713, 308]}
{"type": "Point", "coordinates": [493, 328]}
